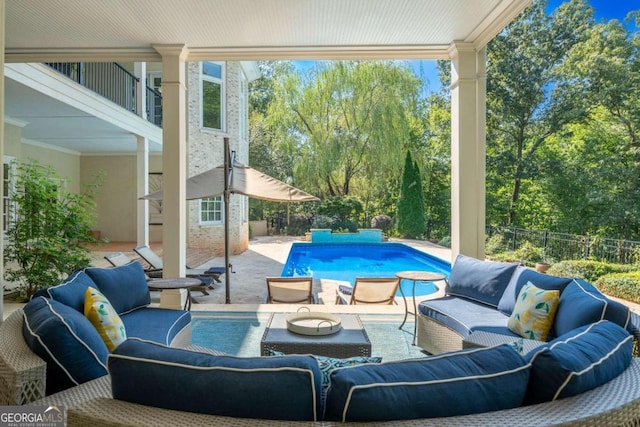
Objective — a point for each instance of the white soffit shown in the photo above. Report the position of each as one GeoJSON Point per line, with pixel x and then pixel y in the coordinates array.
{"type": "Point", "coordinates": [250, 29]}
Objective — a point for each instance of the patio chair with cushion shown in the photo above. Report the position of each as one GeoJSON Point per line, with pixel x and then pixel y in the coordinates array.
{"type": "Point", "coordinates": [118, 259]}
{"type": "Point", "coordinates": [155, 265]}
{"type": "Point", "coordinates": [290, 290]}
{"type": "Point", "coordinates": [369, 290]}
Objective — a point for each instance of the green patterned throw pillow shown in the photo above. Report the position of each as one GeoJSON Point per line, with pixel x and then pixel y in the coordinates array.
{"type": "Point", "coordinates": [104, 318]}
{"type": "Point", "coordinates": [328, 364]}
{"type": "Point", "coordinates": [533, 313]}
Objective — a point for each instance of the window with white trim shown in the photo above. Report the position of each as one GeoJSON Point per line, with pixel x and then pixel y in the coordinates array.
{"type": "Point", "coordinates": [243, 209]}
{"type": "Point", "coordinates": [8, 183]}
{"type": "Point", "coordinates": [211, 210]}
{"type": "Point", "coordinates": [244, 109]}
{"type": "Point", "coordinates": [212, 95]}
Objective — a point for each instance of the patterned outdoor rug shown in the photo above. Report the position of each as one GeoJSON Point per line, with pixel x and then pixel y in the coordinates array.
{"type": "Point", "coordinates": [239, 333]}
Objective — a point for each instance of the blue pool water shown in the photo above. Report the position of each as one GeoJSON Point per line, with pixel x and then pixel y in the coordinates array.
{"type": "Point", "coordinates": [342, 261]}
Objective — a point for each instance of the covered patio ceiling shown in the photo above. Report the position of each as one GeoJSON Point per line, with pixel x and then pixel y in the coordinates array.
{"type": "Point", "coordinates": [173, 32]}
{"type": "Point", "coordinates": [65, 30]}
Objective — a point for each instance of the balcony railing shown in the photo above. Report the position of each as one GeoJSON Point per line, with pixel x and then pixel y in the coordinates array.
{"type": "Point", "coordinates": [114, 82]}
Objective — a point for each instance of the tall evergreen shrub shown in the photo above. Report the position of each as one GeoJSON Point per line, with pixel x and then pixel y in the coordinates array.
{"type": "Point", "coordinates": [411, 220]}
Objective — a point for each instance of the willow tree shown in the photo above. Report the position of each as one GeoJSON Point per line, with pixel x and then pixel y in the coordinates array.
{"type": "Point", "coordinates": [347, 124]}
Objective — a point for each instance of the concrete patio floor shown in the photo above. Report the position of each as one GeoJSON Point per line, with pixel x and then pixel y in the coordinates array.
{"type": "Point", "coordinates": [265, 257]}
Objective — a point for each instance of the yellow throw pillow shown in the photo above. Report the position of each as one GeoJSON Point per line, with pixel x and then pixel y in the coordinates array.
{"type": "Point", "coordinates": [104, 318]}
{"type": "Point", "coordinates": [533, 313]}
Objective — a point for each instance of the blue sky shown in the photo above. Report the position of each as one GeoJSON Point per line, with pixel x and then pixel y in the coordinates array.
{"type": "Point", "coordinates": [426, 69]}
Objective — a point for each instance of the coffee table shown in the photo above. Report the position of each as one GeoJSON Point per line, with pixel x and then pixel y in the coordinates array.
{"type": "Point", "coordinates": [351, 340]}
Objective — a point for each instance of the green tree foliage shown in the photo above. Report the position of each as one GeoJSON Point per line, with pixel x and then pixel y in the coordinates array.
{"type": "Point", "coordinates": [526, 100]}
{"type": "Point", "coordinates": [607, 64]}
{"type": "Point", "coordinates": [435, 153]}
{"type": "Point", "coordinates": [346, 208]}
{"type": "Point", "coordinates": [264, 152]}
{"type": "Point", "coordinates": [411, 222]}
{"type": "Point", "coordinates": [48, 231]}
{"type": "Point", "coordinates": [347, 125]}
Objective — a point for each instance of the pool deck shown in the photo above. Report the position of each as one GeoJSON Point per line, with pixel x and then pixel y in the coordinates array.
{"type": "Point", "coordinates": [265, 257]}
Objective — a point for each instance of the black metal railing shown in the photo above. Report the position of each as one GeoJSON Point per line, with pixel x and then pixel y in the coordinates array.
{"type": "Point", "coordinates": [563, 246]}
{"type": "Point", "coordinates": [114, 82]}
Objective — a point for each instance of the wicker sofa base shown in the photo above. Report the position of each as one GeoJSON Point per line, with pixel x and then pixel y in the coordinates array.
{"type": "Point", "coordinates": [434, 337]}
{"type": "Point", "coordinates": [23, 373]}
{"type": "Point", "coordinates": [616, 403]}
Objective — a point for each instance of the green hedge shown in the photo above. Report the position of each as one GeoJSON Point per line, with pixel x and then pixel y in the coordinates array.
{"type": "Point", "coordinates": [621, 285]}
{"type": "Point", "coordinates": [588, 270]}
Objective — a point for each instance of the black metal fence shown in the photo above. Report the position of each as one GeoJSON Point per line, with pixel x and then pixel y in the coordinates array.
{"type": "Point", "coordinates": [563, 246]}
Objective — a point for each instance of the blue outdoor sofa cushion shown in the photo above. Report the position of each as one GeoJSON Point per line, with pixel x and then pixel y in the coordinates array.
{"type": "Point", "coordinates": [464, 316]}
{"type": "Point", "coordinates": [72, 291]}
{"type": "Point", "coordinates": [579, 361]}
{"type": "Point", "coordinates": [277, 388]}
{"type": "Point", "coordinates": [159, 325]}
{"type": "Point", "coordinates": [124, 286]}
{"type": "Point", "coordinates": [520, 277]}
{"type": "Point", "coordinates": [581, 303]}
{"type": "Point", "coordinates": [449, 384]}
{"type": "Point", "coordinates": [66, 340]}
{"type": "Point", "coordinates": [482, 281]}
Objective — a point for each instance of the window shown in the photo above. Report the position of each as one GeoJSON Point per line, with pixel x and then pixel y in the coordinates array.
{"type": "Point", "coordinates": [244, 109]}
{"type": "Point", "coordinates": [243, 209]}
{"type": "Point", "coordinates": [212, 95]}
{"type": "Point", "coordinates": [211, 210]}
{"type": "Point", "coordinates": [8, 183]}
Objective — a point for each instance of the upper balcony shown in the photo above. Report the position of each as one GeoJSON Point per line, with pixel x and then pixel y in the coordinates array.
{"type": "Point", "coordinates": [114, 82]}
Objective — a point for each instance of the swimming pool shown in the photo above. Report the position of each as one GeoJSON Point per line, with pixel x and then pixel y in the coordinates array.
{"type": "Point", "coordinates": [345, 261]}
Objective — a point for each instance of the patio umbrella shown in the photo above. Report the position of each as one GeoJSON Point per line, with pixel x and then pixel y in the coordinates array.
{"type": "Point", "coordinates": [239, 179]}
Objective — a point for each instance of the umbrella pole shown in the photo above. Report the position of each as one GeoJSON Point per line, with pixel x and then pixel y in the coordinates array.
{"type": "Point", "coordinates": [228, 167]}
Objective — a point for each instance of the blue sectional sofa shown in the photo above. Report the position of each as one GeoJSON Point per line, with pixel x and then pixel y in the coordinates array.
{"type": "Point", "coordinates": [481, 296]}
{"type": "Point", "coordinates": [586, 377]}
{"type": "Point", "coordinates": [56, 329]}
{"type": "Point", "coordinates": [584, 374]}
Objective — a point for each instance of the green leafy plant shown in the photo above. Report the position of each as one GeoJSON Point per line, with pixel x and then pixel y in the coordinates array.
{"type": "Point", "coordinates": [621, 285]}
{"type": "Point", "coordinates": [48, 229]}
{"type": "Point", "coordinates": [588, 270]}
{"type": "Point", "coordinates": [383, 222]}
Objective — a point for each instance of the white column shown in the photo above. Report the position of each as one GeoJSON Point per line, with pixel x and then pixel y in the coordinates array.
{"type": "Point", "coordinates": [140, 70]}
{"type": "Point", "coordinates": [142, 180]}
{"type": "Point", "coordinates": [468, 118]}
{"type": "Point", "coordinates": [1, 157]}
{"type": "Point", "coordinates": [174, 158]}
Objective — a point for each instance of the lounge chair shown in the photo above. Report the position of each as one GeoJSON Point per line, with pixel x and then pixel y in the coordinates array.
{"type": "Point", "coordinates": [369, 290]}
{"type": "Point", "coordinates": [290, 290]}
{"type": "Point", "coordinates": [155, 265]}
{"type": "Point", "coordinates": [118, 259]}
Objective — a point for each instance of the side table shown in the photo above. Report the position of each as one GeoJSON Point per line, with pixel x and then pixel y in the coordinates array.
{"type": "Point", "coordinates": [174, 283]}
{"type": "Point", "coordinates": [416, 276]}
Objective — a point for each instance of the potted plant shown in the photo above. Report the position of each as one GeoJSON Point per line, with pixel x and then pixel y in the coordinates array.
{"type": "Point", "coordinates": [542, 267]}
